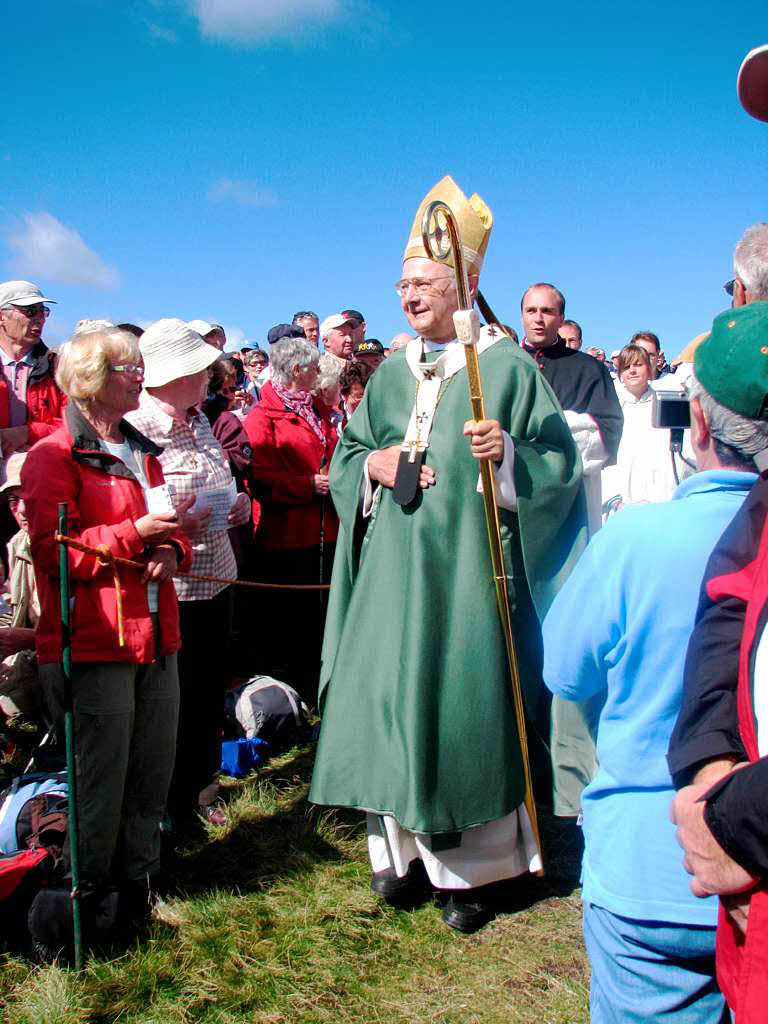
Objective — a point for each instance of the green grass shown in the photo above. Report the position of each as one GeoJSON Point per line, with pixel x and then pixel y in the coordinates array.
{"type": "Point", "coordinates": [271, 921]}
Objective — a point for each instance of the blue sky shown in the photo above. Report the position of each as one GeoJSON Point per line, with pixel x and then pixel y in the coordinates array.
{"type": "Point", "coordinates": [236, 160]}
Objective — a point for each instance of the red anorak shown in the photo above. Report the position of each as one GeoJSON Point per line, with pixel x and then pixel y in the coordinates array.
{"type": "Point", "coordinates": [286, 454]}
{"type": "Point", "coordinates": [104, 501]}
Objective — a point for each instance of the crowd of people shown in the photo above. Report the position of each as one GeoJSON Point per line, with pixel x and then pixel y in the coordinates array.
{"type": "Point", "coordinates": [325, 458]}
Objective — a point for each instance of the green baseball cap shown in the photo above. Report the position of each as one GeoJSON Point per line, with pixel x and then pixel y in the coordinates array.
{"type": "Point", "coordinates": [732, 363]}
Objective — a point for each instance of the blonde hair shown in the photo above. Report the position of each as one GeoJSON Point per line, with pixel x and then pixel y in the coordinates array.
{"type": "Point", "coordinates": [82, 365]}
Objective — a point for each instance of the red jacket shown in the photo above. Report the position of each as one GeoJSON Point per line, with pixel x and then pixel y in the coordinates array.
{"type": "Point", "coordinates": [44, 400]}
{"type": "Point", "coordinates": [742, 962]}
{"type": "Point", "coordinates": [104, 500]}
{"type": "Point", "coordinates": [286, 453]}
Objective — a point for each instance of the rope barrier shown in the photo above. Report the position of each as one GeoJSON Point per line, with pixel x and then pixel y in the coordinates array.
{"type": "Point", "coordinates": [106, 557]}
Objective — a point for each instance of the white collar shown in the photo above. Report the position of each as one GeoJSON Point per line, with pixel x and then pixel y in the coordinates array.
{"type": "Point", "coordinates": [27, 359]}
{"type": "Point", "coordinates": [453, 358]}
{"type": "Point", "coordinates": [627, 396]}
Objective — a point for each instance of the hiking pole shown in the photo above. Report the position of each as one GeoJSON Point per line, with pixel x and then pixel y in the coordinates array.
{"type": "Point", "coordinates": [69, 738]}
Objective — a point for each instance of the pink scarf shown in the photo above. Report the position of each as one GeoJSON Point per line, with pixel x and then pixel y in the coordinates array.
{"type": "Point", "coordinates": [300, 402]}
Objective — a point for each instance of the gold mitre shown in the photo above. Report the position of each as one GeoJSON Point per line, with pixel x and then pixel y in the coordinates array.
{"type": "Point", "coordinates": [472, 215]}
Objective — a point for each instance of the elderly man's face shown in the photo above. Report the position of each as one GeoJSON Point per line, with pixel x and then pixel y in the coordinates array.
{"type": "Point", "coordinates": [311, 328]}
{"type": "Point", "coordinates": [430, 301]}
{"type": "Point", "coordinates": [340, 340]}
{"type": "Point", "coordinates": [542, 318]}
{"type": "Point", "coordinates": [23, 325]}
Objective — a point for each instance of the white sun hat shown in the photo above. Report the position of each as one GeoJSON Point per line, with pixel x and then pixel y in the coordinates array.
{"type": "Point", "coordinates": [172, 350]}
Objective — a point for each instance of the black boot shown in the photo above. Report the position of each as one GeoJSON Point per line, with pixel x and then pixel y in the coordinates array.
{"type": "Point", "coordinates": [468, 910]}
{"type": "Point", "coordinates": [137, 899]}
{"type": "Point", "coordinates": [50, 923]}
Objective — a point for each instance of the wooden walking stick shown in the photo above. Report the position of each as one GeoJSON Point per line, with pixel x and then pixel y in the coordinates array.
{"type": "Point", "coordinates": [440, 236]}
{"type": "Point", "coordinates": [69, 739]}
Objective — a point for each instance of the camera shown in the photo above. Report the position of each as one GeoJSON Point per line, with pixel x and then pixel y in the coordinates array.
{"type": "Point", "coordinates": [671, 407]}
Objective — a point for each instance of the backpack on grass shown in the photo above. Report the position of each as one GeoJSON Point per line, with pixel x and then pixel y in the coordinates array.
{"type": "Point", "coordinates": [270, 710]}
{"type": "Point", "coordinates": [33, 814]}
{"type": "Point", "coordinates": [34, 849]}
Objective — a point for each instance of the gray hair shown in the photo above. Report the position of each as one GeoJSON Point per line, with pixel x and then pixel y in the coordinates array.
{"type": "Point", "coordinates": [290, 352]}
{"type": "Point", "coordinates": [750, 260]}
{"type": "Point", "coordinates": [330, 371]}
{"type": "Point", "coordinates": [738, 439]}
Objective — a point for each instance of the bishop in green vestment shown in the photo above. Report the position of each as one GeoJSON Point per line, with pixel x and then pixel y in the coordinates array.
{"type": "Point", "coordinates": [418, 725]}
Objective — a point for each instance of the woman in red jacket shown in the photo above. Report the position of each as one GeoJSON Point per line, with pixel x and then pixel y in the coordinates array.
{"type": "Point", "coordinates": [125, 696]}
{"type": "Point", "coordinates": [291, 449]}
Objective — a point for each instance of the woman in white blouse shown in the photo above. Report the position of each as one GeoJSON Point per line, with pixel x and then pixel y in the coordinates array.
{"type": "Point", "coordinates": [643, 470]}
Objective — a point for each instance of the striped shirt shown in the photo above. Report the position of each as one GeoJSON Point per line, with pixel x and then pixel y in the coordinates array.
{"type": "Point", "coordinates": [193, 462]}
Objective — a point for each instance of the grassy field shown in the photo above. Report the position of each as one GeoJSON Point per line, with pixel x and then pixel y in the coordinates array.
{"type": "Point", "coordinates": [271, 921]}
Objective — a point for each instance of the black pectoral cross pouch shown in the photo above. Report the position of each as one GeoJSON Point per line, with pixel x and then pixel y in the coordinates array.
{"type": "Point", "coordinates": [407, 477]}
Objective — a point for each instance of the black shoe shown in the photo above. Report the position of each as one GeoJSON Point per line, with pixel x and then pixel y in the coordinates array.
{"type": "Point", "coordinates": [404, 892]}
{"type": "Point", "coordinates": [466, 913]}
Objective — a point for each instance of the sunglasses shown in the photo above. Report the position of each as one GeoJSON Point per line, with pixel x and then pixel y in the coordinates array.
{"type": "Point", "coordinates": [30, 312]}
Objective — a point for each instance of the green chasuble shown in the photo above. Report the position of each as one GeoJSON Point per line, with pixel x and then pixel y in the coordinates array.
{"type": "Point", "coordinates": [417, 713]}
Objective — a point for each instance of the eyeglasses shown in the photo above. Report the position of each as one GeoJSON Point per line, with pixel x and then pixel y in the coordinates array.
{"type": "Point", "coordinates": [729, 286]}
{"type": "Point", "coordinates": [421, 285]}
{"type": "Point", "coordinates": [30, 312]}
{"type": "Point", "coordinates": [132, 369]}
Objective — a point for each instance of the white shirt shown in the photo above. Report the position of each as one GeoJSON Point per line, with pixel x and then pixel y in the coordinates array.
{"type": "Point", "coordinates": [643, 470]}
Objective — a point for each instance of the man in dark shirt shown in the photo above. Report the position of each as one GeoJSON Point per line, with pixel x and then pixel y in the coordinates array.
{"type": "Point", "coordinates": [584, 388]}
{"type": "Point", "coordinates": [582, 384]}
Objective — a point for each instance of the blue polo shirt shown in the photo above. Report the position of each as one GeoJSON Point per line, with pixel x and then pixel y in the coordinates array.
{"type": "Point", "coordinates": [621, 624]}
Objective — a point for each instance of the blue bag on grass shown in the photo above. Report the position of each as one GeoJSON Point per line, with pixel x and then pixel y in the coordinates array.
{"type": "Point", "coordinates": [239, 757]}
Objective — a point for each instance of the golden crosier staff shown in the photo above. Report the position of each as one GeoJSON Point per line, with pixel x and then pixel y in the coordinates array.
{"type": "Point", "coordinates": [467, 325]}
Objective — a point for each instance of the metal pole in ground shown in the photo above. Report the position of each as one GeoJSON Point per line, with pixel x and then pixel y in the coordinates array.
{"type": "Point", "coordinates": [69, 737]}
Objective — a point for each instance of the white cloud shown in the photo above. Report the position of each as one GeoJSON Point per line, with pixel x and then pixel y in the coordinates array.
{"type": "Point", "coordinates": [44, 247]}
{"type": "Point", "coordinates": [244, 21]}
{"type": "Point", "coordinates": [247, 193]}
